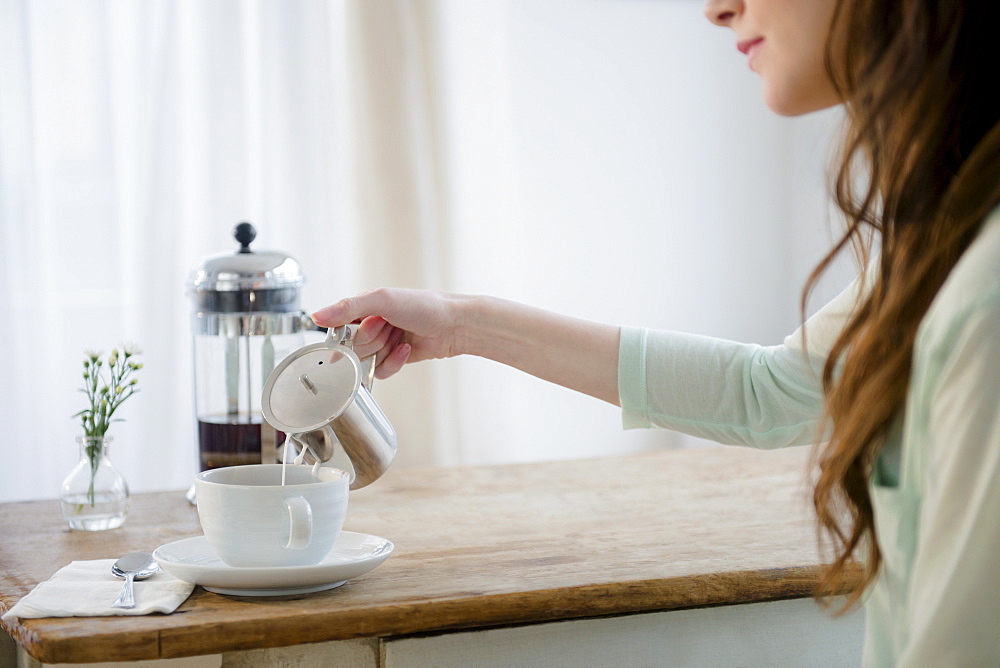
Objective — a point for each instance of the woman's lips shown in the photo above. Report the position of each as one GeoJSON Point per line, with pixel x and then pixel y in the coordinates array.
{"type": "Point", "coordinates": [744, 45]}
{"type": "Point", "coordinates": [749, 47]}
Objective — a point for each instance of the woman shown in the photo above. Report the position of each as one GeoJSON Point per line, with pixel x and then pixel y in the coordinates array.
{"type": "Point", "coordinates": [899, 377]}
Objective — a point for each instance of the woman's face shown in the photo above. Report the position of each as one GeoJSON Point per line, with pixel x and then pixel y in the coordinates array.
{"type": "Point", "coordinates": [784, 41]}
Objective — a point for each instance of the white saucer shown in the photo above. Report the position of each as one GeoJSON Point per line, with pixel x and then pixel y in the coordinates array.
{"type": "Point", "coordinates": [193, 560]}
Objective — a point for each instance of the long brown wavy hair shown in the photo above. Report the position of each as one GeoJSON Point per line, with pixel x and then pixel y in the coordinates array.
{"type": "Point", "coordinates": [917, 171]}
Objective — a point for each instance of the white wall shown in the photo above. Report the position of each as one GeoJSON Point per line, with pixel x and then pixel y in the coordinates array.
{"type": "Point", "coordinates": [635, 178]}
{"type": "Point", "coordinates": [605, 158]}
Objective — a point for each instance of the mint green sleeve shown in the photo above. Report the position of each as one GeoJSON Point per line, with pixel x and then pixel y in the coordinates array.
{"type": "Point", "coordinates": [733, 393]}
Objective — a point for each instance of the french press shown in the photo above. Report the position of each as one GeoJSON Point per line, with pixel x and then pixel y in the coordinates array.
{"type": "Point", "coordinates": [245, 320]}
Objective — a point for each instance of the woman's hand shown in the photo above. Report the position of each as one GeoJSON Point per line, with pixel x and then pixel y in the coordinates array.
{"type": "Point", "coordinates": [398, 325]}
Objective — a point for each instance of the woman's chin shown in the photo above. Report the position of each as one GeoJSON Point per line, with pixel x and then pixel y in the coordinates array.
{"type": "Point", "coordinates": [783, 103]}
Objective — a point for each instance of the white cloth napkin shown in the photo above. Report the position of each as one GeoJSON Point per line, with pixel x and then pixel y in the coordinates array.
{"type": "Point", "coordinates": [87, 589]}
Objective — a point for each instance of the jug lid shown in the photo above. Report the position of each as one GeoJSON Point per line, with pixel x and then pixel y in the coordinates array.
{"type": "Point", "coordinates": [310, 388]}
{"type": "Point", "coordinates": [246, 280]}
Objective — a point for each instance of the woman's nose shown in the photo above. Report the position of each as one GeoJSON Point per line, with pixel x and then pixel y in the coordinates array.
{"type": "Point", "coordinates": [722, 12]}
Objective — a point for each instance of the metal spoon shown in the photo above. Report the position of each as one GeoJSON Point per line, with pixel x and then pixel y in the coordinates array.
{"type": "Point", "coordinates": [133, 566]}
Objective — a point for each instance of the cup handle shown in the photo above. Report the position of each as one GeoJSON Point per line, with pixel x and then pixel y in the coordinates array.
{"type": "Point", "coordinates": [299, 523]}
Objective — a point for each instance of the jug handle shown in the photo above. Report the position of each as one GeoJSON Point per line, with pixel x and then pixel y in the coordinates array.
{"type": "Point", "coordinates": [344, 336]}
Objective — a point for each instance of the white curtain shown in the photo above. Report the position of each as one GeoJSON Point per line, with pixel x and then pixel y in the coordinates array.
{"type": "Point", "coordinates": [134, 137]}
{"type": "Point", "coordinates": [586, 156]}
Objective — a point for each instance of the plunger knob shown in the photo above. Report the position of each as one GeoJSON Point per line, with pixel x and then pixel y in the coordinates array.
{"type": "Point", "coordinates": [245, 234]}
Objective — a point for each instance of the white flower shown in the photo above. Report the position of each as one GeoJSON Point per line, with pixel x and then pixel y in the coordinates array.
{"type": "Point", "coordinates": [92, 354]}
{"type": "Point", "coordinates": [130, 348]}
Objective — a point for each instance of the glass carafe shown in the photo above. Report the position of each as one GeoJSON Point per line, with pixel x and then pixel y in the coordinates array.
{"type": "Point", "coordinates": [233, 356]}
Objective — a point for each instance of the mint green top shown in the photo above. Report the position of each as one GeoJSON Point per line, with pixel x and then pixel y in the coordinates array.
{"type": "Point", "coordinates": [936, 486]}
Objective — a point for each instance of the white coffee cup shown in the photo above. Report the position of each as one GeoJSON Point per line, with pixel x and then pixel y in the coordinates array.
{"type": "Point", "coordinates": [251, 520]}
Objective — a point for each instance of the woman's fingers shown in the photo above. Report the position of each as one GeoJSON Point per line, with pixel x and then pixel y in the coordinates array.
{"type": "Point", "coordinates": [377, 337]}
{"type": "Point", "coordinates": [395, 336]}
{"type": "Point", "coordinates": [391, 345]}
{"type": "Point", "coordinates": [394, 362]}
{"type": "Point", "coordinates": [371, 335]}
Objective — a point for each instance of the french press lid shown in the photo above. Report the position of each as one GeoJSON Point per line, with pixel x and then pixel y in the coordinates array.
{"type": "Point", "coordinates": [246, 280]}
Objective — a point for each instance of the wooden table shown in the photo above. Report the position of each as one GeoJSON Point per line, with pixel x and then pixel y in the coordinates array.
{"type": "Point", "coordinates": [476, 548]}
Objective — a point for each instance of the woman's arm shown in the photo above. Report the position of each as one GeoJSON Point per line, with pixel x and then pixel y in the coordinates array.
{"type": "Point", "coordinates": [721, 390]}
{"type": "Point", "coordinates": [400, 326]}
{"type": "Point", "coordinates": [730, 392]}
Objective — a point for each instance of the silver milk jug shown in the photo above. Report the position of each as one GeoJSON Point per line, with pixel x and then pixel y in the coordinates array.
{"type": "Point", "coordinates": [320, 396]}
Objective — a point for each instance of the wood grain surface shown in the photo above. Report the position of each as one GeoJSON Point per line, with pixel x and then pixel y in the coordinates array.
{"type": "Point", "coordinates": [475, 548]}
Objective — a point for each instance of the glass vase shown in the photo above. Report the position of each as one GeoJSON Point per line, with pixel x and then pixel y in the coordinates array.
{"type": "Point", "coordinates": [94, 495]}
